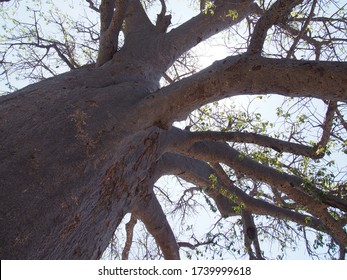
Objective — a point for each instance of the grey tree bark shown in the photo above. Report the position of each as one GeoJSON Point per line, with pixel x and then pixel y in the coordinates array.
{"type": "Point", "coordinates": [82, 149]}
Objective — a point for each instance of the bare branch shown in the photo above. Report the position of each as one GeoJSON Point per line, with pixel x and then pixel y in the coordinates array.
{"type": "Point", "coordinates": [250, 235]}
{"type": "Point", "coordinates": [261, 140]}
{"type": "Point", "coordinates": [198, 172]}
{"type": "Point", "coordinates": [129, 228]}
{"type": "Point", "coordinates": [149, 211]}
{"type": "Point", "coordinates": [249, 75]}
{"type": "Point", "coordinates": [303, 30]}
{"type": "Point", "coordinates": [302, 192]}
{"type": "Point", "coordinates": [92, 6]}
{"type": "Point", "coordinates": [111, 25]}
{"type": "Point", "coordinates": [276, 14]}
{"type": "Point", "coordinates": [194, 246]}
{"type": "Point", "coordinates": [168, 79]}
{"type": "Point", "coordinates": [327, 125]}
{"type": "Point", "coordinates": [206, 25]}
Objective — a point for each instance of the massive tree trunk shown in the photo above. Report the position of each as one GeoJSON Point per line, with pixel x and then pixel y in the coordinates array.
{"type": "Point", "coordinates": [76, 153]}
{"type": "Point", "coordinates": [80, 150]}
{"type": "Point", "coordinates": [73, 159]}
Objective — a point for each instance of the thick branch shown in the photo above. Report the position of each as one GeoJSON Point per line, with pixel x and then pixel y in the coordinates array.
{"type": "Point", "coordinates": [261, 140]}
{"type": "Point", "coordinates": [111, 25]}
{"type": "Point", "coordinates": [273, 143]}
{"type": "Point", "coordinates": [242, 75]}
{"type": "Point", "coordinates": [163, 20]}
{"type": "Point", "coordinates": [308, 196]}
{"type": "Point", "coordinates": [188, 139]}
{"type": "Point", "coordinates": [205, 25]}
{"type": "Point", "coordinates": [151, 214]}
{"type": "Point", "coordinates": [198, 172]}
{"type": "Point", "coordinates": [106, 13]}
{"type": "Point", "coordinates": [136, 20]}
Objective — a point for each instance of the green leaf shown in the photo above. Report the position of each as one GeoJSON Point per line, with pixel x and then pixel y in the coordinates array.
{"type": "Point", "coordinates": [233, 14]}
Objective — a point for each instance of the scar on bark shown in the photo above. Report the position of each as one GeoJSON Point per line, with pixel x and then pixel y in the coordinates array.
{"type": "Point", "coordinates": [79, 117]}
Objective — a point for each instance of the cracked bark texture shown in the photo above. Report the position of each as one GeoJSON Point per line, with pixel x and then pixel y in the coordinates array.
{"type": "Point", "coordinates": [80, 150]}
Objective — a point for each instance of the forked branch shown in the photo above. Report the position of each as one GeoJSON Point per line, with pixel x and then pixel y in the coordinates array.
{"type": "Point", "coordinates": [112, 14]}
{"type": "Point", "coordinates": [198, 173]}
{"type": "Point", "coordinates": [277, 13]}
{"type": "Point", "coordinates": [304, 193]}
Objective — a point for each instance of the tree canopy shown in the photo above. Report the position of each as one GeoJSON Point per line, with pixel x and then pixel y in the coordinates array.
{"type": "Point", "coordinates": [242, 158]}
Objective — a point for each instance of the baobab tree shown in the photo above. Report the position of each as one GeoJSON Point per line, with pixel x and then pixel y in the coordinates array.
{"type": "Point", "coordinates": [83, 148]}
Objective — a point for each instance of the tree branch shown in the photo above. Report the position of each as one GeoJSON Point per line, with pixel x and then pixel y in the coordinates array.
{"type": "Point", "coordinates": [92, 6]}
{"type": "Point", "coordinates": [149, 211]}
{"type": "Point", "coordinates": [198, 173]}
{"type": "Point", "coordinates": [136, 21]}
{"type": "Point", "coordinates": [280, 146]}
{"type": "Point", "coordinates": [129, 228]}
{"type": "Point", "coordinates": [261, 140]}
{"type": "Point", "coordinates": [205, 25]}
{"type": "Point", "coordinates": [277, 13]}
{"type": "Point", "coordinates": [302, 31]}
{"type": "Point", "coordinates": [240, 75]}
{"type": "Point", "coordinates": [341, 119]}
{"type": "Point", "coordinates": [163, 20]}
{"type": "Point", "coordinates": [302, 192]}
{"type": "Point", "coordinates": [106, 13]}
{"type": "Point", "coordinates": [327, 125]}
{"type": "Point", "coordinates": [250, 235]}
{"type": "Point", "coordinates": [112, 14]}
{"type": "Point", "coordinates": [194, 246]}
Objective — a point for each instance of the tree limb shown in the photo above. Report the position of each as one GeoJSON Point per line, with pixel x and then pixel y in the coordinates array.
{"type": "Point", "coordinates": [163, 20]}
{"type": "Point", "coordinates": [205, 25]}
{"type": "Point", "coordinates": [112, 14]}
{"type": "Point", "coordinates": [198, 172]}
{"type": "Point", "coordinates": [241, 75]}
{"type": "Point", "coordinates": [250, 235]}
{"type": "Point", "coordinates": [258, 139]}
{"type": "Point", "coordinates": [278, 145]}
{"type": "Point", "coordinates": [341, 119]}
{"type": "Point", "coordinates": [137, 21]}
{"type": "Point", "coordinates": [92, 6]}
{"type": "Point", "coordinates": [327, 125]}
{"type": "Point", "coordinates": [302, 192]}
{"type": "Point", "coordinates": [129, 228]}
{"type": "Point", "coordinates": [194, 246]}
{"type": "Point", "coordinates": [302, 31]}
{"type": "Point", "coordinates": [149, 211]}
{"type": "Point", "coordinates": [277, 13]}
